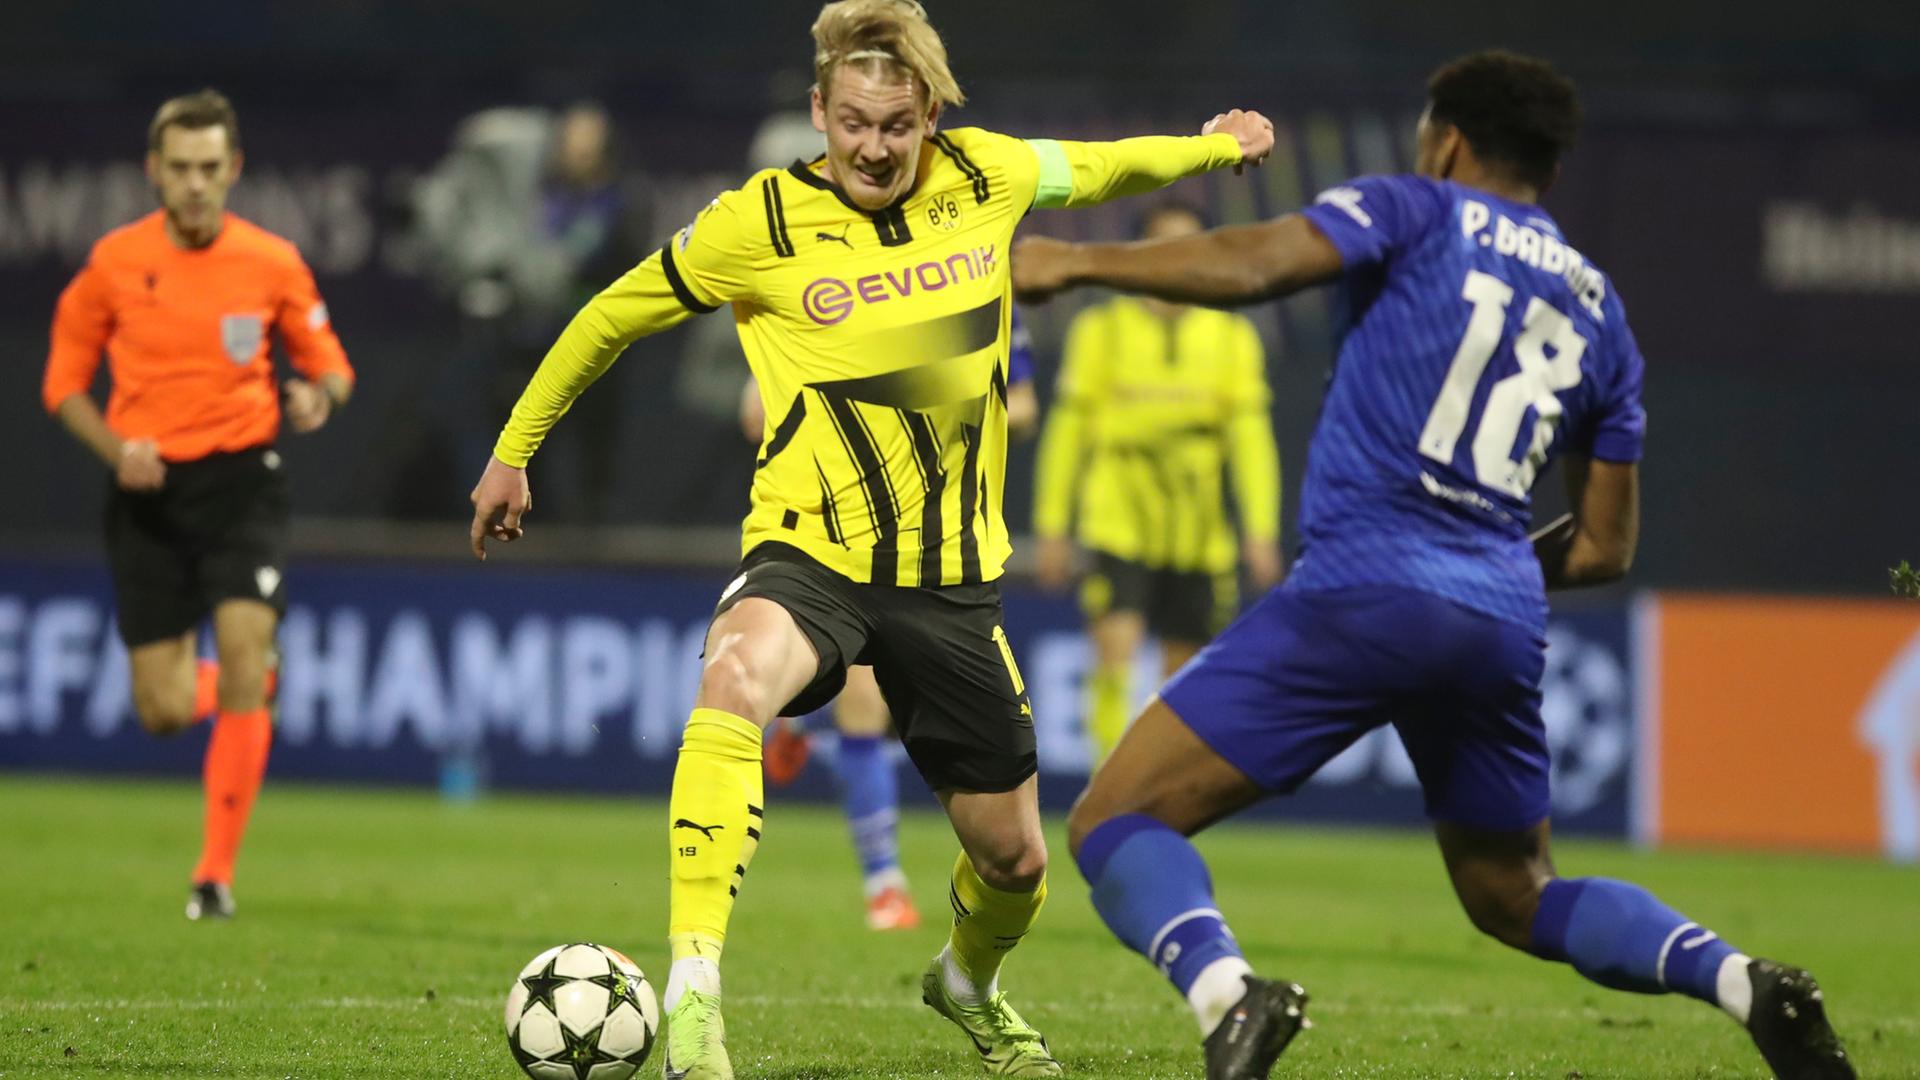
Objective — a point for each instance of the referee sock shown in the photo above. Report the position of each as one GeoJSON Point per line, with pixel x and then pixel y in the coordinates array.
{"type": "Point", "coordinates": [715, 815]}
{"type": "Point", "coordinates": [235, 764]}
{"type": "Point", "coordinates": [1620, 936]}
{"type": "Point", "coordinates": [987, 924]}
{"type": "Point", "coordinates": [206, 689]}
{"type": "Point", "coordinates": [1152, 889]}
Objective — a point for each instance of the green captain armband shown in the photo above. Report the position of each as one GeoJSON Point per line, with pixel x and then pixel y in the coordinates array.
{"type": "Point", "coordinates": [1056, 176]}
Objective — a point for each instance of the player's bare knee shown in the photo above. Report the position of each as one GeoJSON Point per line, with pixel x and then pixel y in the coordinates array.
{"type": "Point", "coordinates": [732, 682]}
{"type": "Point", "coordinates": [1504, 909]}
{"type": "Point", "coordinates": [162, 713]}
{"type": "Point", "coordinates": [1015, 868]}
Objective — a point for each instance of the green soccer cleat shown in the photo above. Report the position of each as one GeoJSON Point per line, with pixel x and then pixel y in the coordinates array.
{"type": "Point", "coordinates": [1008, 1045]}
{"type": "Point", "coordinates": [697, 1039]}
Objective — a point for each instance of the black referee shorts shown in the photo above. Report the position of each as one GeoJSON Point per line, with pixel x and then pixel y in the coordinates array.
{"type": "Point", "coordinates": [217, 531]}
{"type": "Point", "coordinates": [940, 656]}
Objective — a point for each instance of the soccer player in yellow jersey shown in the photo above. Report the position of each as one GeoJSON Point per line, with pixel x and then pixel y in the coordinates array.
{"type": "Point", "coordinates": [870, 289]}
{"type": "Point", "coordinates": [1154, 398]}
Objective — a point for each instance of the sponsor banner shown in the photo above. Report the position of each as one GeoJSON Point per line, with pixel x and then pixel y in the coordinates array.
{"type": "Point", "coordinates": [1784, 723]}
{"type": "Point", "coordinates": [581, 680]}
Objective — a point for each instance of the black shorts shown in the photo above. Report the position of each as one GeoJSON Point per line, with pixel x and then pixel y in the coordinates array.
{"type": "Point", "coordinates": [1179, 605]}
{"type": "Point", "coordinates": [940, 656]}
{"type": "Point", "coordinates": [217, 531]}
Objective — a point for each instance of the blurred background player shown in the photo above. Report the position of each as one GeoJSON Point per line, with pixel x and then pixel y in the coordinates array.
{"type": "Point", "coordinates": [1154, 399]}
{"type": "Point", "coordinates": [870, 292]}
{"type": "Point", "coordinates": [1479, 346]}
{"type": "Point", "coordinates": [523, 220]}
{"type": "Point", "coordinates": [862, 762]}
{"type": "Point", "coordinates": [184, 302]}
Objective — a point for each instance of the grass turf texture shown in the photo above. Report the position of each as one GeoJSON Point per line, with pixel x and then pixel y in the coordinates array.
{"type": "Point", "coordinates": [379, 930]}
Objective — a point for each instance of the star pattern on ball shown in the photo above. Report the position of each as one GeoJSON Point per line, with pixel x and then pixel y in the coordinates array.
{"type": "Point", "coordinates": [540, 987]}
{"type": "Point", "coordinates": [583, 1052]}
{"type": "Point", "coordinates": [619, 987]}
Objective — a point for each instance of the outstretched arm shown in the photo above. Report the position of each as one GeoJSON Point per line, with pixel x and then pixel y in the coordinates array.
{"type": "Point", "coordinates": [643, 301]}
{"type": "Point", "coordinates": [1223, 267]}
{"type": "Point", "coordinates": [1090, 173]}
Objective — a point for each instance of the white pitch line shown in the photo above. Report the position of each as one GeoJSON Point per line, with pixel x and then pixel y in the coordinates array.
{"type": "Point", "coordinates": [904, 1002]}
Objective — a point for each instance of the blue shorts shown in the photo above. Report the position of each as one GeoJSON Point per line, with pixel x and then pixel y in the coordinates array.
{"type": "Point", "coordinates": [1304, 673]}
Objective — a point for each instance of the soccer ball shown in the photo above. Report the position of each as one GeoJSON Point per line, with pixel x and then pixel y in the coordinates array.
{"type": "Point", "coordinates": [581, 1012]}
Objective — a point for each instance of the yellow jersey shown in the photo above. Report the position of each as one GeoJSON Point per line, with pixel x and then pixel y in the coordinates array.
{"type": "Point", "coordinates": [1149, 413]}
{"type": "Point", "coordinates": [879, 340]}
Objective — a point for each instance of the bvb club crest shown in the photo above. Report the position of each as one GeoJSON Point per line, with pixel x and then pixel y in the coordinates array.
{"type": "Point", "coordinates": [943, 213]}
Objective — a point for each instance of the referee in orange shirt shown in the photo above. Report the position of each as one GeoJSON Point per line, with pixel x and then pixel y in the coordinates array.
{"type": "Point", "coordinates": [182, 302]}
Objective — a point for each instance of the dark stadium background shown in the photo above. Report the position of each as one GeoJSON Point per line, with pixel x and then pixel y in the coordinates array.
{"type": "Point", "coordinates": [1749, 176]}
{"type": "Point", "coordinates": [1781, 455]}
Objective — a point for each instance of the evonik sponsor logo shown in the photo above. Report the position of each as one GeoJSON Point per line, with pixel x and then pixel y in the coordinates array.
{"type": "Point", "coordinates": [829, 300]}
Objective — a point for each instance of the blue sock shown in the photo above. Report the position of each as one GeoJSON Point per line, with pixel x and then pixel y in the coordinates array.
{"type": "Point", "coordinates": [1153, 891]}
{"type": "Point", "coordinates": [870, 791]}
{"type": "Point", "coordinates": [1619, 935]}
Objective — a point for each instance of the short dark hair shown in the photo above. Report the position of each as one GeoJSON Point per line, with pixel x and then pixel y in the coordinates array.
{"type": "Point", "coordinates": [1514, 110]}
{"type": "Point", "coordinates": [1151, 214]}
{"type": "Point", "coordinates": [201, 109]}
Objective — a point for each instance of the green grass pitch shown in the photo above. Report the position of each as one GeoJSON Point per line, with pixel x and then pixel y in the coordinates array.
{"type": "Point", "coordinates": [379, 930]}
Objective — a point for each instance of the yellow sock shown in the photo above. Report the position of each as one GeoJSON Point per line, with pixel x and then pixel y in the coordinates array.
{"type": "Point", "coordinates": [1109, 709]}
{"type": "Point", "coordinates": [987, 923]}
{"type": "Point", "coordinates": [715, 815]}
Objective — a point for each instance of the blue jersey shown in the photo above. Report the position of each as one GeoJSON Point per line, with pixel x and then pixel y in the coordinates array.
{"type": "Point", "coordinates": [1019, 353]}
{"type": "Point", "coordinates": [1475, 345]}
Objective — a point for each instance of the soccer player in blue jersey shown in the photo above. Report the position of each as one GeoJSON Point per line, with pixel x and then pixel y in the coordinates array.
{"type": "Point", "coordinates": [1478, 345]}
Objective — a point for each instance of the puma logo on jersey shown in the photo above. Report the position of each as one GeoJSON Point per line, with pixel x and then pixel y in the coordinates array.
{"type": "Point", "coordinates": [823, 235]}
{"type": "Point", "coordinates": [704, 830]}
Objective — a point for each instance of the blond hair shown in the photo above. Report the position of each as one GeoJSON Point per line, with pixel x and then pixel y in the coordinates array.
{"type": "Point", "coordinates": [883, 35]}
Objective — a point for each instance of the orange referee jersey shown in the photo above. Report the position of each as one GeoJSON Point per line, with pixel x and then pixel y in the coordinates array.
{"type": "Point", "coordinates": [186, 335]}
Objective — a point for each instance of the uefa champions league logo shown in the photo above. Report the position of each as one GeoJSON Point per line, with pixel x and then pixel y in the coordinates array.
{"type": "Point", "coordinates": [1588, 709]}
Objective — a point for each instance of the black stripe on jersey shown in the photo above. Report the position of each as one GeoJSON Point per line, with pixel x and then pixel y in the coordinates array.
{"type": "Point", "coordinates": [834, 419]}
{"type": "Point", "coordinates": [873, 480]}
{"type": "Point", "coordinates": [789, 426]}
{"type": "Point", "coordinates": [680, 291]}
{"type": "Point", "coordinates": [886, 547]}
{"type": "Point", "coordinates": [969, 507]}
{"type": "Point", "coordinates": [1000, 384]}
{"type": "Point", "coordinates": [927, 449]}
{"type": "Point", "coordinates": [776, 217]}
{"type": "Point", "coordinates": [891, 224]}
{"type": "Point", "coordinates": [966, 165]}
{"type": "Point", "coordinates": [829, 512]}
